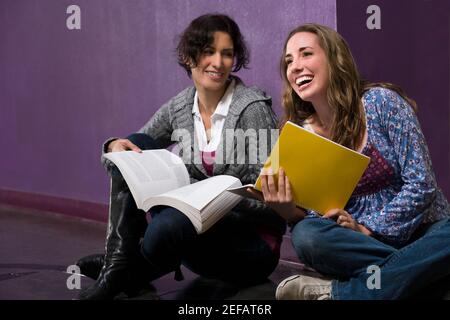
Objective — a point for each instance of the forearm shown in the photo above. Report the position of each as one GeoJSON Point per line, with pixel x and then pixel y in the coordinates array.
{"type": "Point", "coordinates": [107, 164]}
{"type": "Point", "coordinates": [295, 216]}
{"type": "Point", "coordinates": [106, 147]}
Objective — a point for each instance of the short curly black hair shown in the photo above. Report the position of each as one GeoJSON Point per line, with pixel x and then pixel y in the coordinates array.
{"type": "Point", "coordinates": [199, 35]}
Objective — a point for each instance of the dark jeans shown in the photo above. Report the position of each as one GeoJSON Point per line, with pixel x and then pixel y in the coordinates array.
{"type": "Point", "coordinates": [231, 250]}
{"type": "Point", "coordinates": [347, 256]}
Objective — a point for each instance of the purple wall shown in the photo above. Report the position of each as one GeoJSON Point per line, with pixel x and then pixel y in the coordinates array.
{"type": "Point", "coordinates": [62, 92]}
{"type": "Point", "coordinates": [412, 49]}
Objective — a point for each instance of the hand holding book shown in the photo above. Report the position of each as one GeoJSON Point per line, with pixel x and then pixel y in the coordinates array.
{"type": "Point", "coordinates": [278, 195]}
{"type": "Point", "coordinates": [322, 173]}
{"type": "Point", "coordinates": [159, 177]}
{"type": "Point", "coordinates": [322, 176]}
{"type": "Point", "coordinates": [122, 145]}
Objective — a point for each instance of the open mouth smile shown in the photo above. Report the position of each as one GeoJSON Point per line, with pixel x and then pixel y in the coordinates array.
{"type": "Point", "coordinates": [214, 74]}
{"type": "Point", "coordinates": [303, 81]}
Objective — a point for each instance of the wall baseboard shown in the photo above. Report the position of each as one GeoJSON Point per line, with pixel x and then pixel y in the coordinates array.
{"type": "Point", "coordinates": [42, 202]}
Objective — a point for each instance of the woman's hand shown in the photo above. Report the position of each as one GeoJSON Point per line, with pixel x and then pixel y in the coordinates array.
{"type": "Point", "coordinates": [344, 219]}
{"type": "Point", "coordinates": [279, 196]}
{"type": "Point", "coordinates": [122, 145]}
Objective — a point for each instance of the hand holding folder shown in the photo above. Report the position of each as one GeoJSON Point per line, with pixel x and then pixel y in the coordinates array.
{"type": "Point", "coordinates": [322, 173]}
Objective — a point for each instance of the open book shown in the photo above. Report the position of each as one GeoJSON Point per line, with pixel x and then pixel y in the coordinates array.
{"type": "Point", "coordinates": [322, 173]}
{"type": "Point", "coordinates": [159, 177]}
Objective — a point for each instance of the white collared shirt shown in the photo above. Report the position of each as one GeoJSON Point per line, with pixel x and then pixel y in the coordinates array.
{"type": "Point", "coordinates": [217, 120]}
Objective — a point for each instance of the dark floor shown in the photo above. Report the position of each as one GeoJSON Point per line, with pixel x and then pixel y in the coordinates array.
{"type": "Point", "coordinates": [36, 248]}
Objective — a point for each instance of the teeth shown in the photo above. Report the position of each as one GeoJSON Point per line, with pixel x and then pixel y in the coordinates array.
{"type": "Point", "coordinates": [214, 74]}
{"type": "Point", "coordinates": [298, 81]}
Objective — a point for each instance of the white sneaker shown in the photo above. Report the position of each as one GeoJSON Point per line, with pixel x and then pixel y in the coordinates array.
{"type": "Point", "coordinates": [300, 287]}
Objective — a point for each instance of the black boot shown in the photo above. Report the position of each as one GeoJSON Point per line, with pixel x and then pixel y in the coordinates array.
{"type": "Point", "coordinates": [125, 227]}
{"type": "Point", "coordinates": [91, 265]}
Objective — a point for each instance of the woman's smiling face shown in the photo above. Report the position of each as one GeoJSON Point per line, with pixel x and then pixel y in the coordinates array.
{"type": "Point", "coordinates": [214, 64]}
{"type": "Point", "coordinates": [307, 67]}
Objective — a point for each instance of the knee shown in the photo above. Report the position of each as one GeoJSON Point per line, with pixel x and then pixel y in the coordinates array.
{"type": "Point", "coordinates": [167, 229]}
{"type": "Point", "coordinates": [166, 219]}
{"type": "Point", "coordinates": [309, 239]}
{"type": "Point", "coordinates": [143, 141]}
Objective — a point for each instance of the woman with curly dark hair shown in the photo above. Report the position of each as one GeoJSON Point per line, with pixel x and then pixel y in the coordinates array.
{"type": "Point", "coordinates": [243, 247]}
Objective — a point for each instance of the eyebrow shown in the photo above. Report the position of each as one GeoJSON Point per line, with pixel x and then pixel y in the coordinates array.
{"type": "Point", "coordinates": [224, 49]}
{"type": "Point", "coordinates": [300, 49]}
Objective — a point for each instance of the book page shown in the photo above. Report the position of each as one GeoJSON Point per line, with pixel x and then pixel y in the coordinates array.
{"type": "Point", "coordinates": [151, 172]}
{"type": "Point", "coordinates": [203, 202]}
{"type": "Point", "coordinates": [242, 191]}
{"type": "Point", "coordinates": [220, 206]}
{"type": "Point", "coordinates": [198, 195]}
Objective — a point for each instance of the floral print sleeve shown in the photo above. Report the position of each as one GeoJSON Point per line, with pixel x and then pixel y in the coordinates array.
{"type": "Point", "coordinates": [408, 152]}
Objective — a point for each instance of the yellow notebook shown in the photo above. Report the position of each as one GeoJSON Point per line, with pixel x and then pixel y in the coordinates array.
{"type": "Point", "coordinates": [322, 173]}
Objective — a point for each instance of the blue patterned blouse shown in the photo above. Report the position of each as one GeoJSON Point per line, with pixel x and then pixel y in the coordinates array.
{"type": "Point", "coordinates": [398, 191]}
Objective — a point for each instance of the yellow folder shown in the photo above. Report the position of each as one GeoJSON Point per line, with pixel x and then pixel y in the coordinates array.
{"type": "Point", "coordinates": [322, 173]}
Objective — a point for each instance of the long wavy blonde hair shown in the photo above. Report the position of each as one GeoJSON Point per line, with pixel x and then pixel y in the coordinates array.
{"type": "Point", "coordinates": [344, 91]}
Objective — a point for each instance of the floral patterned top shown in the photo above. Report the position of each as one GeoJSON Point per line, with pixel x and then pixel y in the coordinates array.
{"type": "Point", "coordinates": [398, 191]}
